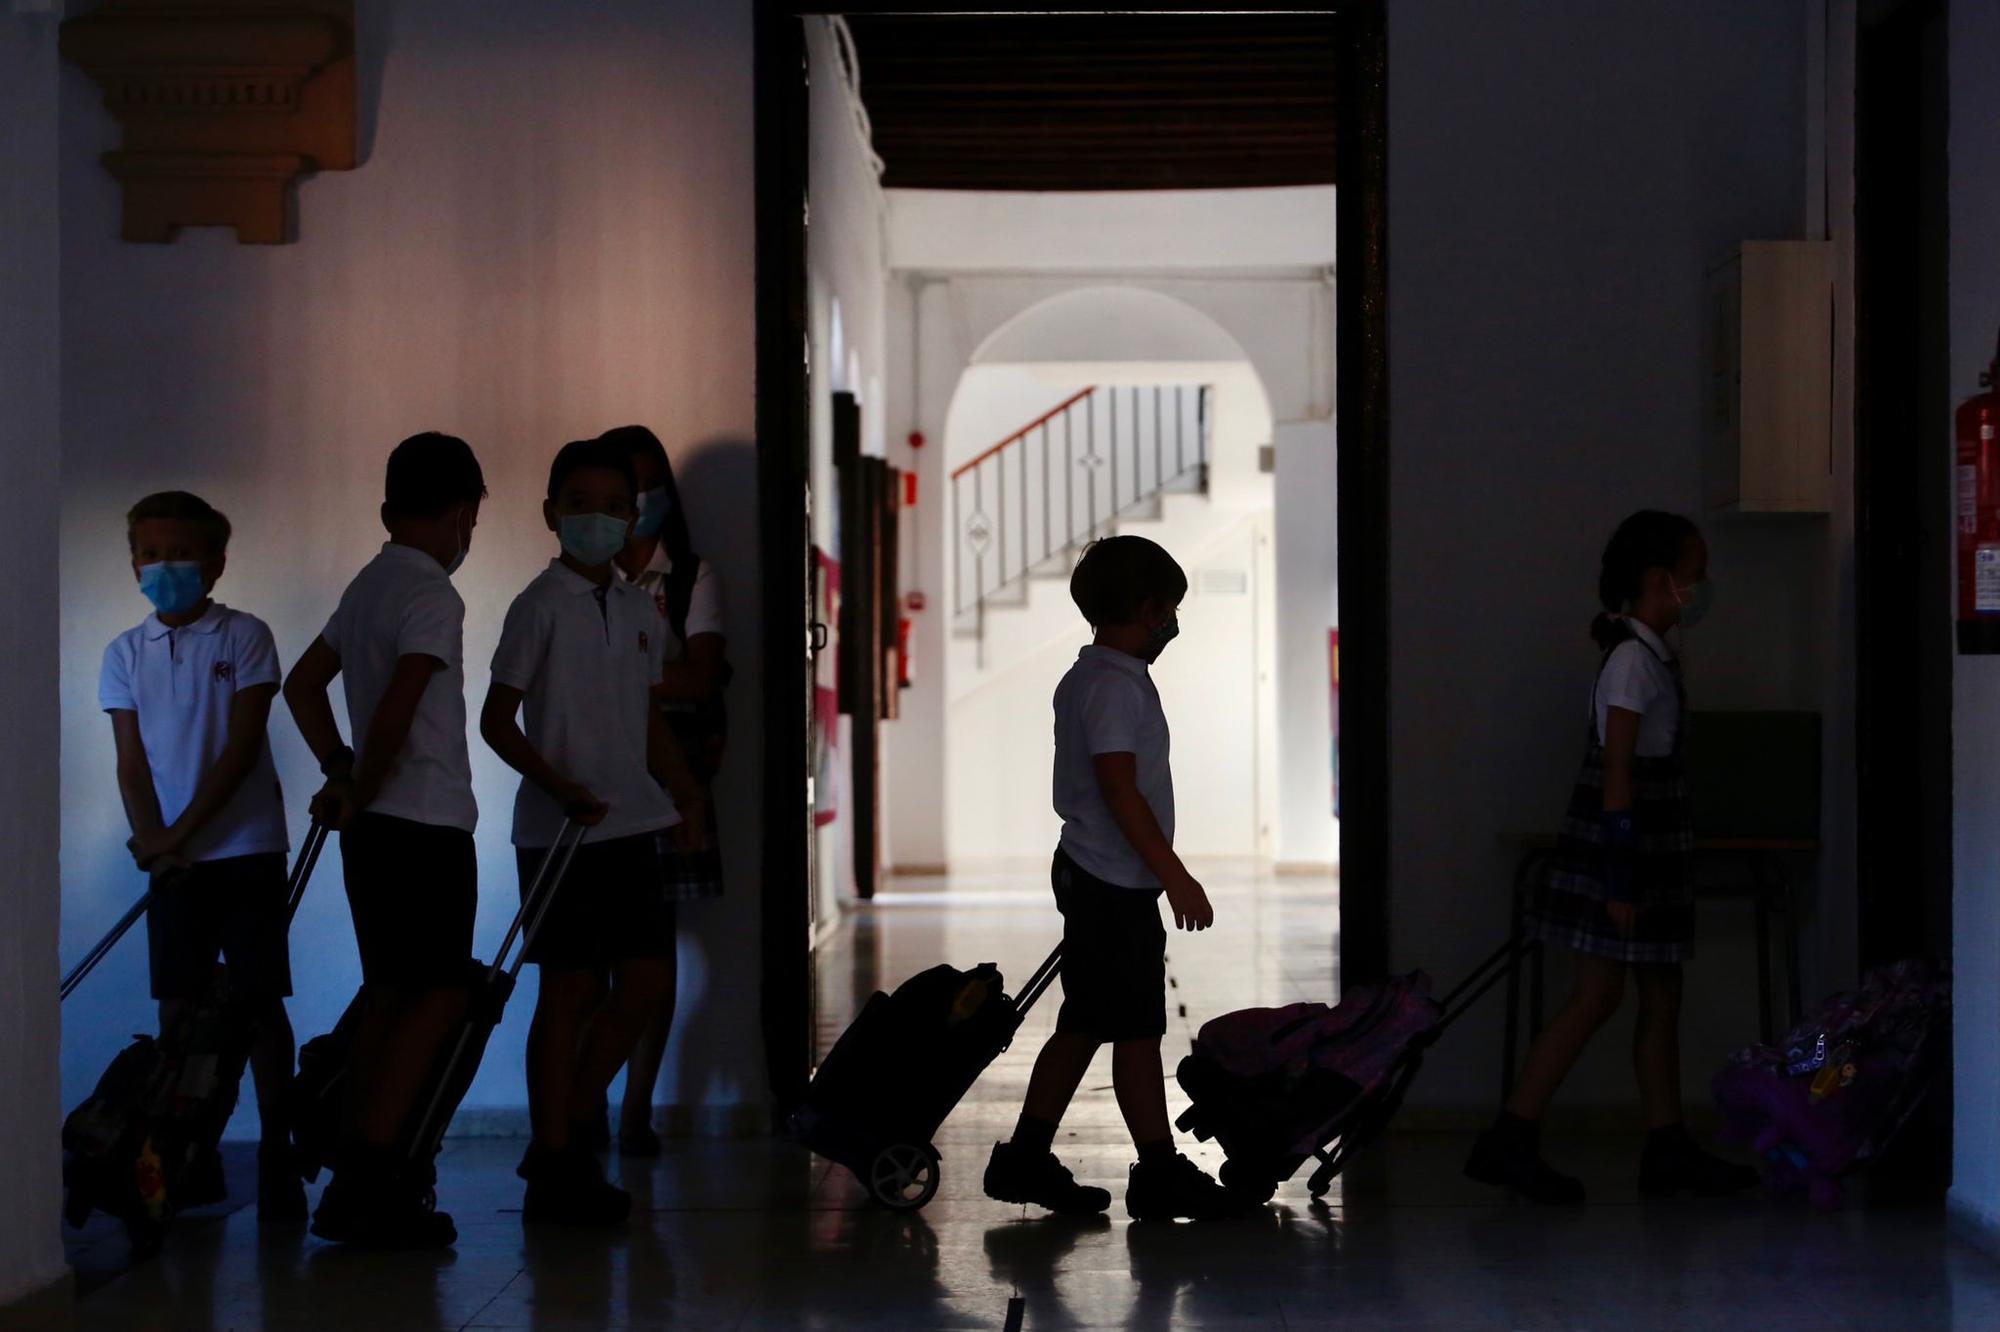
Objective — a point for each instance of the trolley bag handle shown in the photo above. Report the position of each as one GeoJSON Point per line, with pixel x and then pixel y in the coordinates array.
{"type": "Point", "coordinates": [1473, 988]}
{"type": "Point", "coordinates": [301, 874]}
{"type": "Point", "coordinates": [1045, 976]}
{"type": "Point", "coordinates": [534, 905]}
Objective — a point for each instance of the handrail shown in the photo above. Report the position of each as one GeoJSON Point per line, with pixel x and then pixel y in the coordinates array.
{"type": "Point", "coordinates": [1025, 430]}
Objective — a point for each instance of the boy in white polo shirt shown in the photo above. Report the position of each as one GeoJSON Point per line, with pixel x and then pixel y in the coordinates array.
{"type": "Point", "coordinates": [580, 654]}
{"type": "Point", "coordinates": [189, 691]}
{"type": "Point", "coordinates": [1115, 793]}
{"type": "Point", "coordinates": [406, 813]}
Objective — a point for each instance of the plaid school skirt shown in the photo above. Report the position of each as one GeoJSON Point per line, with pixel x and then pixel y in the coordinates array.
{"type": "Point", "coordinates": [1566, 908]}
{"type": "Point", "coordinates": [693, 876]}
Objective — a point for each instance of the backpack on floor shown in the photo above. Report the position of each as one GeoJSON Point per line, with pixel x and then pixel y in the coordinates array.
{"type": "Point", "coordinates": [1831, 1096]}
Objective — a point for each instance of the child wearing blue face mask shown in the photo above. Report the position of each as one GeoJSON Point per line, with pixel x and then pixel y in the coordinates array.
{"type": "Point", "coordinates": [580, 654]}
{"type": "Point", "coordinates": [189, 692]}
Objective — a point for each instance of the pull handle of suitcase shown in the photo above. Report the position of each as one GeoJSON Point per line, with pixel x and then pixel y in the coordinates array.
{"type": "Point", "coordinates": [527, 922]}
{"type": "Point", "coordinates": [302, 870]}
{"type": "Point", "coordinates": [1482, 978]}
{"type": "Point", "coordinates": [1045, 976]}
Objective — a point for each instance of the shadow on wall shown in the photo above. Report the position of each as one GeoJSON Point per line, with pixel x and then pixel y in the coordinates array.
{"type": "Point", "coordinates": [719, 957]}
{"type": "Point", "coordinates": [374, 31]}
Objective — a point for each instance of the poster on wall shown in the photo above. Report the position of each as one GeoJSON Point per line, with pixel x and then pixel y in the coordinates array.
{"type": "Point", "coordinates": [1333, 710]}
{"type": "Point", "coordinates": [826, 692]}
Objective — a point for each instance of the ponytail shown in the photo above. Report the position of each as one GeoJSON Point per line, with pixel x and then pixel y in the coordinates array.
{"type": "Point", "coordinates": [1650, 539]}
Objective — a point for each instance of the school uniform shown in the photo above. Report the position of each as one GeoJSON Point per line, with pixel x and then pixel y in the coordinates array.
{"type": "Point", "coordinates": [1641, 675]}
{"type": "Point", "coordinates": [689, 876]}
{"type": "Point", "coordinates": [411, 870]}
{"type": "Point", "coordinates": [1114, 944]}
{"type": "Point", "coordinates": [585, 659]}
{"type": "Point", "coordinates": [181, 683]}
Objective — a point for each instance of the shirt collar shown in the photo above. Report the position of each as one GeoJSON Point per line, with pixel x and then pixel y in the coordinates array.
{"type": "Point", "coordinates": [657, 568]}
{"type": "Point", "coordinates": [572, 581]}
{"type": "Point", "coordinates": [1644, 633]}
{"type": "Point", "coordinates": [210, 622]}
{"type": "Point", "coordinates": [416, 559]}
{"type": "Point", "coordinates": [1112, 656]}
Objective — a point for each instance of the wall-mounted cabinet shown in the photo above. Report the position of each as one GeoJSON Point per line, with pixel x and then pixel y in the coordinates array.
{"type": "Point", "coordinates": [1769, 401]}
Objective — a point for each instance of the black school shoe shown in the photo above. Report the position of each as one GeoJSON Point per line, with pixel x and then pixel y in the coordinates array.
{"type": "Point", "coordinates": [1166, 1190]}
{"type": "Point", "coordinates": [380, 1209]}
{"type": "Point", "coordinates": [1674, 1163]}
{"type": "Point", "coordinates": [1017, 1174]}
{"type": "Point", "coordinates": [1509, 1156]}
{"type": "Point", "coordinates": [568, 1188]}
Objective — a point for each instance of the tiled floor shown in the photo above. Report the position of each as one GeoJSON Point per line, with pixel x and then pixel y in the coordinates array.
{"type": "Point", "coordinates": [757, 1234]}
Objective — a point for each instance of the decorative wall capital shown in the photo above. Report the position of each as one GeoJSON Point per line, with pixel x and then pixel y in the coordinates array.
{"type": "Point", "coordinates": [224, 105]}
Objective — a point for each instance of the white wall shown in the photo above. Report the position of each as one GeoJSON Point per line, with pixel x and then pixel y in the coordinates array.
{"type": "Point", "coordinates": [551, 235]}
{"type": "Point", "coordinates": [1560, 174]}
{"type": "Point", "coordinates": [30, 1253]}
{"type": "Point", "coordinates": [848, 278]}
{"type": "Point", "coordinates": [1308, 596]}
{"type": "Point", "coordinates": [1975, 297]}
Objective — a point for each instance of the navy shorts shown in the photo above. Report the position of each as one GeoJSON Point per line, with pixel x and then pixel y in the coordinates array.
{"type": "Point", "coordinates": [1114, 966]}
{"type": "Point", "coordinates": [609, 907]}
{"type": "Point", "coordinates": [235, 908]}
{"type": "Point", "coordinates": [414, 891]}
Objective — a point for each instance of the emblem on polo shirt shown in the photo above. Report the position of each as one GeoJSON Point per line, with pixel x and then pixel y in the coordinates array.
{"type": "Point", "coordinates": [225, 672]}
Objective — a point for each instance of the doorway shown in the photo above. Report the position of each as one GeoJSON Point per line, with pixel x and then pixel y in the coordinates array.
{"type": "Point", "coordinates": [788, 397]}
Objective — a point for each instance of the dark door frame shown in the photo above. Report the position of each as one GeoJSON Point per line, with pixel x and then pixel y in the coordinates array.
{"type": "Point", "coordinates": [783, 403]}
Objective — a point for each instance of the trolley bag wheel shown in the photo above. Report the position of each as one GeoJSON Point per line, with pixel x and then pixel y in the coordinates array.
{"type": "Point", "coordinates": [903, 1176]}
{"type": "Point", "coordinates": [1248, 1184]}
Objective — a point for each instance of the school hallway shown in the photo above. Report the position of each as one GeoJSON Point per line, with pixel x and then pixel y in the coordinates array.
{"type": "Point", "coordinates": [757, 1233]}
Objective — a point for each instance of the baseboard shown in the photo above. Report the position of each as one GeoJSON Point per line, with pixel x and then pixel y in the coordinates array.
{"type": "Point", "coordinates": [52, 1308]}
{"type": "Point", "coordinates": [674, 1121]}
{"type": "Point", "coordinates": [1306, 869]}
{"type": "Point", "coordinates": [919, 871]}
{"type": "Point", "coordinates": [1972, 1223]}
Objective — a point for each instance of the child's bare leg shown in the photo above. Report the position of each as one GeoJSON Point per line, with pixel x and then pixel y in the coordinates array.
{"type": "Point", "coordinates": [568, 996]}
{"type": "Point", "coordinates": [1141, 1090]}
{"type": "Point", "coordinates": [271, 1069]}
{"type": "Point", "coordinates": [1059, 1071]}
{"type": "Point", "coordinates": [1600, 984]}
{"type": "Point", "coordinates": [1656, 1044]}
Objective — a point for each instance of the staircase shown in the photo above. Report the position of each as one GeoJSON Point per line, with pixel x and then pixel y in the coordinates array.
{"type": "Point", "coordinates": [1023, 508]}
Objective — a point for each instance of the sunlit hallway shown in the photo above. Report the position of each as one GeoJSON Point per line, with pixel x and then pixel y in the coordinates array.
{"type": "Point", "coordinates": [758, 1234]}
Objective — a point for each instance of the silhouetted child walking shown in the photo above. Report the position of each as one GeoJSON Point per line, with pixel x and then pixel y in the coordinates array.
{"type": "Point", "coordinates": [1115, 793]}
{"type": "Point", "coordinates": [1620, 891]}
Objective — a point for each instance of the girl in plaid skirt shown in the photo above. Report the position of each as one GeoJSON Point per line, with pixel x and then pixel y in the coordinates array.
{"type": "Point", "coordinates": [1619, 891]}
{"type": "Point", "coordinates": [661, 559]}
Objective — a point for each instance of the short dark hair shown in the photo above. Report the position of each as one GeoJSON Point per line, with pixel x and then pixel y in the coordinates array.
{"type": "Point", "coordinates": [1120, 574]}
{"type": "Point", "coordinates": [581, 453]}
{"type": "Point", "coordinates": [183, 507]}
{"type": "Point", "coordinates": [429, 473]}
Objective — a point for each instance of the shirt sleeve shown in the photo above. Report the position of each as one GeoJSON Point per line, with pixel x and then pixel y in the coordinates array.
{"type": "Point", "coordinates": [114, 678]}
{"type": "Point", "coordinates": [524, 644]}
{"type": "Point", "coordinates": [1113, 710]}
{"type": "Point", "coordinates": [432, 623]}
{"type": "Point", "coordinates": [705, 602]}
{"type": "Point", "coordinates": [1627, 683]}
{"type": "Point", "coordinates": [256, 653]}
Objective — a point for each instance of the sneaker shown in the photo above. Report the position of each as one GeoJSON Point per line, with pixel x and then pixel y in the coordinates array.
{"type": "Point", "coordinates": [568, 1188]}
{"type": "Point", "coordinates": [1509, 1157]}
{"type": "Point", "coordinates": [1165, 1190]}
{"type": "Point", "coordinates": [1674, 1163]}
{"type": "Point", "coordinates": [380, 1212]}
{"type": "Point", "coordinates": [281, 1195]}
{"type": "Point", "coordinates": [1020, 1175]}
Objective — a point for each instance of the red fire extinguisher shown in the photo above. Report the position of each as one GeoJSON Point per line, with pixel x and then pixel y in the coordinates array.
{"type": "Point", "coordinates": [1979, 516]}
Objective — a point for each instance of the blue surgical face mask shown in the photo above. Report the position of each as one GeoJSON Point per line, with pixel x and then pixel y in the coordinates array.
{"type": "Point", "coordinates": [1696, 603]}
{"type": "Point", "coordinates": [457, 561]}
{"type": "Point", "coordinates": [592, 538]}
{"type": "Point", "coordinates": [173, 586]}
{"type": "Point", "coordinates": [1167, 632]}
{"type": "Point", "coordinates": [654, 506]}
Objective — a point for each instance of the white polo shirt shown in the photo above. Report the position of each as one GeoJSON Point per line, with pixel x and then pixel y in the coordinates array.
{"type": "Point", "coordinates": [1637, 677]}
{"type": "Point", "coordinates": [1107, 704]}
{"type": "Point", "coordinates": [402, 604]}
{"type": "Point", "coordinates": [586, 658]}
{"type": "Point", "coordinates": [182, 683]}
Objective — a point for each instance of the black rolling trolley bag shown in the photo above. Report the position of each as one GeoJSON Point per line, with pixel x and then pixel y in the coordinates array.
{"type": "Point", "coordinates": [142, 1146]}
{"type": "Point", "coordinates": [900, 1069]}
{"type": "Point", "coordinates": [323, 1061]}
